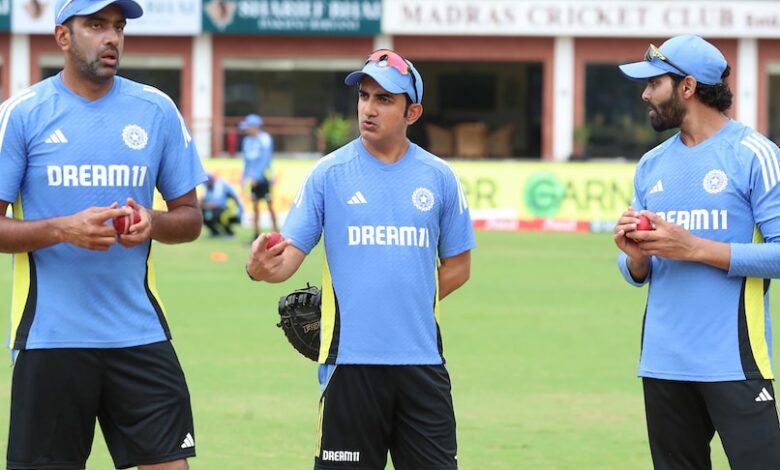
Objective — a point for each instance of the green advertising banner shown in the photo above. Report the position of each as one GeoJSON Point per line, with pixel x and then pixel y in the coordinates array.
{"type": "Point", "coordinates": [560, 197]}
{"type": "Point", "coordinates": [546, 196]}
{"type": "Point", "coordinates": [302, 17]}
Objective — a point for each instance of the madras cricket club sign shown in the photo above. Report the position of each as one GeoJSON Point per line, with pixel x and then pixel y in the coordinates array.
{"type": "Point", "coordinates": [583, 18]}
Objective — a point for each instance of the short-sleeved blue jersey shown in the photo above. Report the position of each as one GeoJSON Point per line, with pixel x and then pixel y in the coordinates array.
{"type": "Point", "coordinates": [60, 154]}
{"type": "Point", "coordinates": [703, 323]}
{"type": "Point", "coordinates": [219, 194]}
{"type": "Point", "coordinates": [257, 152]}
{"type": "Point", "coordinates": [385, 227]}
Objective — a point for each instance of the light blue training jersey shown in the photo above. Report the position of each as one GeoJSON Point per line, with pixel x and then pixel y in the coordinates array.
{"type": "Point", "coordinates": [702, 323]}
{"type": "Point", "coordinates": [385, 227]}
{"type": "Point", "coordinates": [256, 152]}
{"type": "Point", "coordinates": [220, 193]}
{"type": "Point", "coordinates": [61, 154]}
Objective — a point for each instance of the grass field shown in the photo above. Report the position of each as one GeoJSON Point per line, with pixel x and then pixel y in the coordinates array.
{"type": "Point", "coordinates": [542, 347]}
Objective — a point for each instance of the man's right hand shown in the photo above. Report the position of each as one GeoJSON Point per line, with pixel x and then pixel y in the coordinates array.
{"type": "Point", "coordinates": [638, 263]}
{"type": "Point", "coordinates": [90, 228]}
{"type": "Point", "coordinates": [627, 223]}
{"type": "Point", "coordinates": [264, 263]}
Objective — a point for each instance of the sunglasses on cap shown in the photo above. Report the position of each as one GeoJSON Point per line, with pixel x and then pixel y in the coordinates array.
{"type": "Point", "coordinates": [388, 58]}
{"type": "Point", "coordinates": [655, 53]}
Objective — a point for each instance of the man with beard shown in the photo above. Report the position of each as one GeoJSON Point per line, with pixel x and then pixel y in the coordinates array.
{"type": "Point", "coordinates": [88, 331]}
{"type": "Point", "coordinates": [711, 191]}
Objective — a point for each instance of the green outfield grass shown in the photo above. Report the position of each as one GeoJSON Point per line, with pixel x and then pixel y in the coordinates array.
{"type": "Point", "coordinates": [542, 347]}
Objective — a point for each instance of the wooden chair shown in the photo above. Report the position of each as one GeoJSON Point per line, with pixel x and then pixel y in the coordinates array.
{"type": "Point", "coordinates": [500, 142]}
{"type": "Point", "coordinates": [471, 140]}
{"type": "Point", "coordinates": [440, 140]}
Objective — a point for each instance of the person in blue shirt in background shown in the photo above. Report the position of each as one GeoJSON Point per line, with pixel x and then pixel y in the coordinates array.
{"type": "Point", "coordinates": [711, 191]}
{"type": "Point", "coordinates": [221, 206]}
{"type": "Point", "coordinates": [257, 149]}
{"type": "Point", "coordinates": [89, 331]}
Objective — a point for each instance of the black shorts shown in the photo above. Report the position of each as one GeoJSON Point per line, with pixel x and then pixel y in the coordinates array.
{"type": "Point", "coordinates": [682, 418]}
{"type": "Point", "coordinates": [261, 190]}
{"type": "Point", "coordinates": [138, 394]}
{"type": "Point", "coordinates": [367, 410]}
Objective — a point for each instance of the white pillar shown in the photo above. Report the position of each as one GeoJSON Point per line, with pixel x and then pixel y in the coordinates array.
{"type": "Point", "coordinates": [747, 80]}
{"type": "Point", "coordinates": [202, 96]}
{"type": "Point", "coordinates": [563, 99]}
{"type": "Point", "coordinates": [19, 63]}
{"type": "Point", "coordinates": [382, 41]}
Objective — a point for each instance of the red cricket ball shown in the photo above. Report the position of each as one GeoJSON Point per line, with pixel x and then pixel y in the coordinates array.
{"type": "Point", "coordinates": [644, 223]}
{"type": "Point", "coordinates": [273, 239]}
{"type": "Point", "coordinates": [123, 223]}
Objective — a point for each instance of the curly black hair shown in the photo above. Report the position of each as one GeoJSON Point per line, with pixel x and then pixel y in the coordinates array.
{"type": "Point", "coordinates": [716, 96]}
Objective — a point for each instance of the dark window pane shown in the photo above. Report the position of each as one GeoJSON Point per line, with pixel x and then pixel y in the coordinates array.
{"type": "Point", "coordinates": [467, 91]}
{"type": "Point", "coordinates": [502, 98]}
{"type": "Point", "coordinates": [616, 122]}
{"type": "Point", "coordinates": [290, 93]}
{"type": "Point", "coordinates": [168, 80]}
{"type": "Point", "coordinates": [774, 108]}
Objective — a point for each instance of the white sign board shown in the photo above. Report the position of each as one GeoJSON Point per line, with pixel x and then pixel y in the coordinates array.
{"type": "Point", "coordinates": [160, 18]}
{"type": "Point", "coordinates": [619, 18]}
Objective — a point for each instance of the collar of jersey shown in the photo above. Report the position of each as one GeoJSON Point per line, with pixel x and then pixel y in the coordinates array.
{"type": "Point", "coordinates": [366, 156]}
{"type": "Point", "coordinates": [64, 90]}
{"type": "Point", "coordinates": [714, 139]}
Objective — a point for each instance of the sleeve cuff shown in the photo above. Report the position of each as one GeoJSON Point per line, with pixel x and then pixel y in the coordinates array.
{"type": "Point", "coordinates": [623, 267]}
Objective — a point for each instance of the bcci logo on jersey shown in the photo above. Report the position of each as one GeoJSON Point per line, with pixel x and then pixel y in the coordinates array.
{"type": "Point", "coordinates": [715, 181]}
{"type": "Point", "coordinates": [135, 137]}
{"type": "Point", "coordinates": [422, 198]}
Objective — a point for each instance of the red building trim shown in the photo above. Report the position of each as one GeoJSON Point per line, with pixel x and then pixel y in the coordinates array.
{"type": "Point", "coordinates": [5, 74]}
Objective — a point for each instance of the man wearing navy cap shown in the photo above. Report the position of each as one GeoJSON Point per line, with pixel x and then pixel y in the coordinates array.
{"type": "Point", "coordinates": [711, 192]}
{"type": "Point", "coordinates": [398, 238]}
{"type": "Point", "coordinates": [89, 332]}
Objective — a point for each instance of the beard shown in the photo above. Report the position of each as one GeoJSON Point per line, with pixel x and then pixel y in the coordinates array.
{"type": "Point", "coordinates": [668, 114]}
{"type": "Point", "coordinates": [92, 68]}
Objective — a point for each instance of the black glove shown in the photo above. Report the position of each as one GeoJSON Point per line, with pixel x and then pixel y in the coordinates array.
{"type": "Point", "coordinates": [300, 320]}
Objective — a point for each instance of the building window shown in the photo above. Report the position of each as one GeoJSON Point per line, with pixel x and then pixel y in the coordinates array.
{"type": "Point", "coordinates": [480, 109]}
{"type": "Point", "coordinates": [294, 97]}
{"type": "Point", "coordinates": [616, 122]}
{"type": "Point", "coordinates": [774, 101]}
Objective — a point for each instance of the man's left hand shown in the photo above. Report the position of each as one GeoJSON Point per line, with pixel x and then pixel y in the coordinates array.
{"type": "Point", "coordinates": [668, 240]}
{"type": "Point", "coordinates": [139, 232]}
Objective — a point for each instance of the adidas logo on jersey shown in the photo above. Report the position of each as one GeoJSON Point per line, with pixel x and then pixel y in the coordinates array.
{"type": "Point", "coordinates": [188, 442]}
{"type": "Point", "coordinates": [657, 188]}
{"type": "Point", "coordinates": [57, 137]}
{"type": "Point", "coordinates": [357, 198]}
{"type": "Point", "coordinates": [764, 395]}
